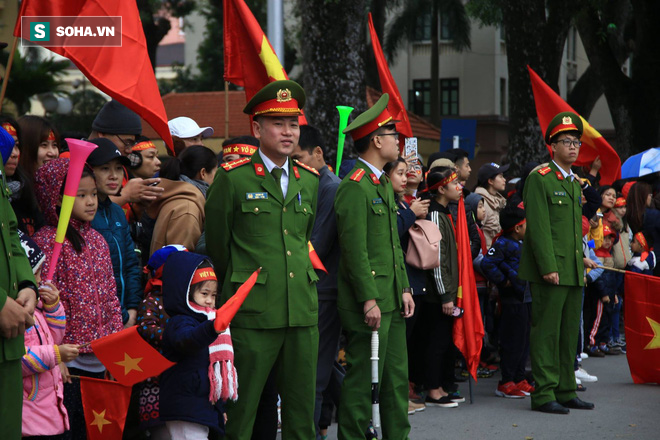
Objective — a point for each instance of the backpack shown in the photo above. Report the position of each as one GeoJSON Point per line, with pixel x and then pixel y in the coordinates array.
{"type": "Point", "coordinates": [424, 245]}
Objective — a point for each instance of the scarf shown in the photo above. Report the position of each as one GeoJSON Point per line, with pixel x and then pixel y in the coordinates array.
{"type": "Point", "coordinates": [222, 372]}
{"type": "Point", "coordinates": [15, 187]}
{"type": "Point", "coordinates": [199, 184]}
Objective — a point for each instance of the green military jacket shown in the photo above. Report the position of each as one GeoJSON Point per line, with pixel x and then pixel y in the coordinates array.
{"type": "Point", "coordinates": [249, 225]}
{"type": "Point", "coordinates": [15, 268]}
{"type": "Point", "coordinates": [371, 264]}
{"type": "Point", "coordinates": [553, 240]}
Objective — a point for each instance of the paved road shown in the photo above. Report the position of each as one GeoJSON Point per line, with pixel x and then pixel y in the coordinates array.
{"type": "Point", "coordinates": [623, 411]}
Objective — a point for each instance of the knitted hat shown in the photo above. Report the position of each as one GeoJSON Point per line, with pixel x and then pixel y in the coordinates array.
{"type": "Point", "coordinates": [115, 118]}
{"type": "Point", "coordinates": [34, 253]}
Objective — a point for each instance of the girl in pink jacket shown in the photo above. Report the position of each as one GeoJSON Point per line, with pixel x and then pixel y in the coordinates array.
{"type": "Point", "coordinates": [43, 398]}
{"type": "Point", "coordinates": [84, 277]}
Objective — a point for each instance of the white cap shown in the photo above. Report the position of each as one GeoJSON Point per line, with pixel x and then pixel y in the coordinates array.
{"type": "Point", "coordinates": [183, 128]}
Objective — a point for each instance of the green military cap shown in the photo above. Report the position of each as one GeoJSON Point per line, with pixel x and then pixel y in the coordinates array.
{"type": "Point", "coordinates": [371, 120]}
{"type": "Point", "coordinates": [279, 98]}
{"type": "Point", "coordinates": [564, 121]}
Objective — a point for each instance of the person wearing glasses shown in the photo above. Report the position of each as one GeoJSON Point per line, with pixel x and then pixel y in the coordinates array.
{"type": "Point", "coordinates": [122, 126]}
{"type": "Point", "coordinates": [552, 262]}
{"type": "Point", "coordinates": [373, 289]}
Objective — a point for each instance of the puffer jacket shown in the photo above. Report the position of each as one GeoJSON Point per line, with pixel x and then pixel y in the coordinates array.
{"type": "Point", "coordinates": [185, 388]}
{"type": "Point", "coordinates": [500, 265]}
{"type": "Point", "coordinates": [44, 413]}
{"type": "Point", "coordinates": [111, 222]}
{"type": "Point", "coordinates": [87, 286]}
{"type": "Point", "coordinates": [179, 214]}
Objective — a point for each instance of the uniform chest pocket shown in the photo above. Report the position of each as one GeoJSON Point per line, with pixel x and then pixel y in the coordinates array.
{"type": "Point", "coordinates": [256, 217]}
{"type": "Point", "coordinates": [303, 216]}
{"type": "Point", "coordinates": [559, 201]}
{"type": "Point", "coordinates": [379, 223]}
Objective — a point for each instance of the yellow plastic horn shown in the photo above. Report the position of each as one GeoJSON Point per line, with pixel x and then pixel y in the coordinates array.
{"type": "Point", "coordinates": [344, 112]}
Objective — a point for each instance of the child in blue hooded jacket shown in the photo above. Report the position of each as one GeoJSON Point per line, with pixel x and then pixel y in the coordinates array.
{"type": "Point", "coordinates": [193, 390]}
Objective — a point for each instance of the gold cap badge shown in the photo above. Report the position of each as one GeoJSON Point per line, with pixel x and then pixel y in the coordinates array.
{"type": "Point", "coordinates": [567, 120]}
{"type": "Point", "coordinates": [284, 95]}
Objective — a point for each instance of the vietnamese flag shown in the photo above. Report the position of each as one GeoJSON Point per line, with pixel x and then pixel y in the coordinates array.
{"type": "Point", "coordinates": [468, 329]}
{"type": "Point", "coordinates": [226, 313]}
{"type": "Point", "coordinates": [548, 104]}
{"type": "Point", "coordinates": [129, 358]}
{"type": "Point", "coordinates": [387, 84]}
{"type": "Point", "coordinates": [315, 259]}
{"type": "Point", "coordinates": [125, 73]}
{"type": "Point", "coordinates": [642, 319]}
{"type": "Point", "coordinates": [105, 404]}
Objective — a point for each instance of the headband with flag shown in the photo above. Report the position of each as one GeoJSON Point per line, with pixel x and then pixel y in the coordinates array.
{"type": "Point", "coordinates": [443, 182]}
{"type": "Point", "coordinates": [204, 274]}
{"type": "Point", "coordinates": [620, 202]}
{"type": "Point", "coordinates": [242, 149]}
{"type": "Point", "coordinates": [144, 145]}
{"type": "Point", "coordinates": [9, 129]}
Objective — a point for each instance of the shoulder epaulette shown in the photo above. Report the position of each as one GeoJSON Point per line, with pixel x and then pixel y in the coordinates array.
{"type": "Point", "coordinates": [544, 171]}
{"type": "Point", "coordinates": [357, 175]}
{"type": "Point", "coordinates": [228, 166]}
{"type": "Point", "coordinates": [307, 167]}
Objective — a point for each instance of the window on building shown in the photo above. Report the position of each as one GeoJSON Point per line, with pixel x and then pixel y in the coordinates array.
{"type": "Point", "coordinates": [423, 28]}
{"type": "Point", "coordinates": [449, 97]}
{"type": "Point", "coordinates": [504, 110]}
{"type": "Point", "coordinates": [445, 31]}
{"type": "Point", "coordinates": [420, 97]}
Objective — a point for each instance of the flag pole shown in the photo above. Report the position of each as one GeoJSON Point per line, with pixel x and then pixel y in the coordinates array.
{"type": "Point", "coordinates": [5, 79]}
{"type": "Point", "coordinates": [226, 110]}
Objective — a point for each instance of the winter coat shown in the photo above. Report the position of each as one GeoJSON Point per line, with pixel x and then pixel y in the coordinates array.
{"type": "Point", "coordinates": [493, 204]}
{"type": "Point", "coordinates": [43, 398]}
{"type": "Point", "coordinates": [500, 265]}
{"type": "Point", "coordinates": [111, 222]}
{"type": "Point", "coordinates": [179, 214]}
{"type": "Point", "coordinates": [85, 280]}
{"type": "Point", "coordinates": [185, 388]}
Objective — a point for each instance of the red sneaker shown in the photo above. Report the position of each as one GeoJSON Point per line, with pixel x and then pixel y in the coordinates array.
{"type": "Point", "coordinates": [525, 387]}
{"type": "Point", "coordinates": [509, 390]}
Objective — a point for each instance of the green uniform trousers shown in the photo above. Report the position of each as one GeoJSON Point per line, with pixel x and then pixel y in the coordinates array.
{"type": "Point", "coordinates": [293, 352]}
{"type": "Point", "coordinates": [553, 341]}
{"type": "Point", "coordinates": [355, 406]}
{"type": "Point", "coordinates": [11, 399]}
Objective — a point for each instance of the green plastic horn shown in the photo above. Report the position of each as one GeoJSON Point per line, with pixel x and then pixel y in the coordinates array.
{"type": "Point", "coordinates": [344, 112]}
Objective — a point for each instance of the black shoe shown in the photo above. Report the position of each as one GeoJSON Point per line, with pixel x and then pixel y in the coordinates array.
{"type": "Point", "coordinates": [552, 407]}
{"type": "Point", "coordinates": [443, 402]}
{"type": "Point", "coordinates": [577, 403]}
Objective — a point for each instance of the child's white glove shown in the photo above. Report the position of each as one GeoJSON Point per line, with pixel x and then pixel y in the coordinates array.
{"type": "Point", "coordinates": [639, 264]}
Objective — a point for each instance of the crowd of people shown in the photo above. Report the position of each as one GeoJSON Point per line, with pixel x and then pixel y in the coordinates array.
{"type": "Point", "coordinates": [159, 243]}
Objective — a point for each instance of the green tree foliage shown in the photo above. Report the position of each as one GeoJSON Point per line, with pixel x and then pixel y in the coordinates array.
{"type": "Point", "coordinates": [31, 76]}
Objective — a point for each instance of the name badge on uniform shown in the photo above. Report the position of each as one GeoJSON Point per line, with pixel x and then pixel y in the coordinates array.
{"type": "Point", "coordinates": [256, 196]}
{"type": "Point", "coordinates": [376, 201]}
{"type": "Point", "coordinates": [560, 193]}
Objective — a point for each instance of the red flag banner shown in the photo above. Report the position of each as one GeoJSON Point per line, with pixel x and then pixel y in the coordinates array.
{"type": "Point", "coordinates": [226, 313]}
{"type": "Point", "coordinates": [315, 259]}
{"type": "Point", "coordinates": [125, 73]}
{"type": "Point", "coordinates": [250, 60]}
{"type": "Point", "coordinates": [548, 104]}
{"type": "Point", "coordinates": [387, 84]}
{"type": "Point", "coordinates": [129, 358]}
{"type": "Point", "coordinates": [642, 319]}
{"type": "Point", "coordinates": [468, 329]}
{"type": "Point", "coordinates": [105, 404]}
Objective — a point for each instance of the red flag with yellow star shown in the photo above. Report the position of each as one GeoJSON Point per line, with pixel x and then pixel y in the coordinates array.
{"type": "Point", "coordinates": [315, 259]}
{"type": "Point", "coordinates": [129, 358]}
{"type": "Point", "coordinates": [548, 104]}
{"type": "Point", "coordinates": [105, 404]}
{"type": "Point", "coordinates": [642, 319]}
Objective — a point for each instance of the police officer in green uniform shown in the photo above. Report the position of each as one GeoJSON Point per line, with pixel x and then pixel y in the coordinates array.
{"type": "Point", "coordinates": [260, 213]}
{"type": "Point", "coordinates": [17, 300]}
{"type": "Point", "coordinates": [552, 261]}
{"type": "Point", "coordinates": [373, 289]}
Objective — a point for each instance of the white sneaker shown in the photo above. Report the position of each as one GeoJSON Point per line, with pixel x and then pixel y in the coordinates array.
{"type": "Point", "coordinates": [584, 355]}
{"type": "Point", "coordinates": [582, 374]}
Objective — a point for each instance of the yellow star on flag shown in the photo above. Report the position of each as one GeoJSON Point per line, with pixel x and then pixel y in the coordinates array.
{"type": "Point", "coordinates": [100, 420]}
{"type": "Point", "coordinates": [271, 63]}
{"type": "Point", "coordinates": [655, 342]}
{"type": "Point", "coordinates": [130, 364]}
